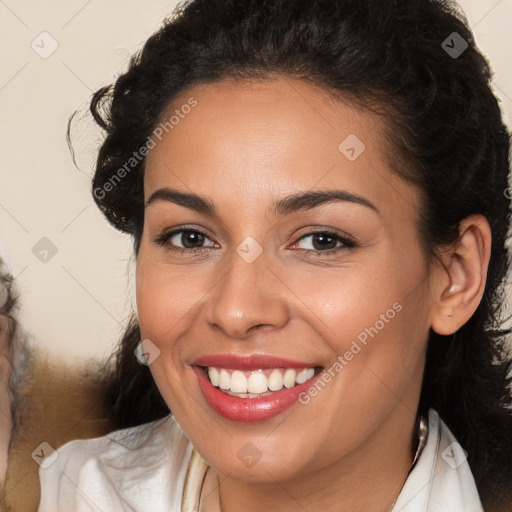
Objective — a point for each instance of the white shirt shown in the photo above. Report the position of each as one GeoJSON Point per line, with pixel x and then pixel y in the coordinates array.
{"type": "Point", "coordinates": [144, 468]}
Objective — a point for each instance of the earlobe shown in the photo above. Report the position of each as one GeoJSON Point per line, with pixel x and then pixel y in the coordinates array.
{"type": "Point", "coordinates": [463, 276]}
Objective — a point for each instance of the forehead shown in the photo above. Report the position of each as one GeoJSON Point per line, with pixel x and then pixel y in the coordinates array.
{"type": "Point", "coordinates": [250, 141]}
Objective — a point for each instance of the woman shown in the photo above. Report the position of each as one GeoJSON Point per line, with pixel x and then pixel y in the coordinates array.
{"type": "Point", "coordinates": [316, 194]}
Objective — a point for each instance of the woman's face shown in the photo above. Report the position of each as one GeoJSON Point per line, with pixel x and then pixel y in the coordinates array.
{"type": "Point", "coordinates": [256, 271]}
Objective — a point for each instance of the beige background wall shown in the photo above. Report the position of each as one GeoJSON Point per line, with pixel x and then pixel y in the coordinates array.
{"type": "Point", "coordinates": [76, 302]}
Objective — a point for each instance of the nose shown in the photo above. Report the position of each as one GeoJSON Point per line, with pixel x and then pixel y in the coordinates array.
{"type": "Point", "coordinates": [249, 296]}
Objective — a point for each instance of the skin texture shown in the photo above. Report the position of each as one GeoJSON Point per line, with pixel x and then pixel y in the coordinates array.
{"type": "Point", "coordinates": [244, 146]}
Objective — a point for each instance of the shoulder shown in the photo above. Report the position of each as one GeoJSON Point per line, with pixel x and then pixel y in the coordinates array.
{"type": "Point", "coordinates": [128, 467]}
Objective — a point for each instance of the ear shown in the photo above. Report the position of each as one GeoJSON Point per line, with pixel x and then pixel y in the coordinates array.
{"type": "Point", "coordinates": [461, 281]}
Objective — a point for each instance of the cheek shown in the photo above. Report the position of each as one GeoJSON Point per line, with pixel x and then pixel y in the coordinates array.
{"type": "Point", "coordinates": [347, 301]}
{"type": "Point", "coordinates": [374, 317]}
{"type": "Point", "coordinates": [164, 301]}
{"type": "Point", "coordinates": [165, 297]}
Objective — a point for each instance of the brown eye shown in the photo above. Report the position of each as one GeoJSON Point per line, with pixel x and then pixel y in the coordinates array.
{"type": "Point", "coordinates": [324, 242]}
{"type": "Point", "coordinates": [184, 239]}
{"type": "Point", "coordinates": [190, 239]}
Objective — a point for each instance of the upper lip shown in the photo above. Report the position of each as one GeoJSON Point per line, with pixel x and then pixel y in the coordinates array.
{"type": "Point", "coordinates": [250, 362]}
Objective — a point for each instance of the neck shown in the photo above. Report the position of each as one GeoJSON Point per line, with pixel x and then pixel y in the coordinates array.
{"type": "Point", "coordinates": [369, 478]}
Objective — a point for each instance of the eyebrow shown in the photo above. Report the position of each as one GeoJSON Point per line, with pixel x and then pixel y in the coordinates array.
{"type": "Point", "coordinates": [289, 204]}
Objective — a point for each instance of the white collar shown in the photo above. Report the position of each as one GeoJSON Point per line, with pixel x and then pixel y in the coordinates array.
{"type": "Point", "coordinates": [441, 479]}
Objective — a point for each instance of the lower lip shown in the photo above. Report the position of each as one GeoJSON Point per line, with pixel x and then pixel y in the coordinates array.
{"type": "Point", "coordinates": [248, 410]}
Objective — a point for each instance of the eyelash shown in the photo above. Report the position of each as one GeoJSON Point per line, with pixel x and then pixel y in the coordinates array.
{"type": "Point", "coordinates": [348, 243]}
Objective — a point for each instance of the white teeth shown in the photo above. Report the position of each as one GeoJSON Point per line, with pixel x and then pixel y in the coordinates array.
{"type": "Point", "coordinates": [251, 384]}
{"type": "Point", "coordinates": [257, 383]}
{"type": "Point", "coordinates": [214, 375]}
{"type": "Point", "coordinates": [275, 381]}
{"type": "Point", "coordinates": [224, 379]}
{"type": "Point", "coordinates": [238, 382]}
{"type": "Point", "coordinates": [304, 375]}
{"type": "Point", "coordinates": [289, 378]}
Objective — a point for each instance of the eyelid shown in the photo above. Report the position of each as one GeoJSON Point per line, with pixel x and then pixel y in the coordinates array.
{"type": "Point", "coordinates": [347, 242]}
{"type": "Point", "coordinates": [163, 238]}
{"type": "Point", "coordinates": [313, 230]}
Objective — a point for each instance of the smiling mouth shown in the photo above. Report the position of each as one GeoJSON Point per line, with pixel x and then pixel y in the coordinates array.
{"type": "Point", "coordinates": [257, 383]}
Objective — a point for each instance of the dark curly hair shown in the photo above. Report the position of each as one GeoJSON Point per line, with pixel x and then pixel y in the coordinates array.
{"type": "Point", "coordinates": [445, 134]}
